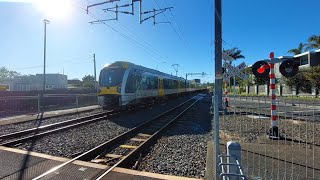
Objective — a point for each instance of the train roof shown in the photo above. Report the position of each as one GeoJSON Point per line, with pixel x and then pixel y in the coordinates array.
{"type": "Point", "coordinates": [126, 64]}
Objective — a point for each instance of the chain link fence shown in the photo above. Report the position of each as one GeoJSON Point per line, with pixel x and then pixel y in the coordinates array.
{"type": "Point", "coordinates": [295, 155]}
{"type": "Point", "coordinates": [19, 105]}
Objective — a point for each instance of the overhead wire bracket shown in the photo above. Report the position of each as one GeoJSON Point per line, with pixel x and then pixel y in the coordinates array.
{"type": "Point", "coordinates": [155, 13]}
{"type": "Point", "coordinates": [101, 3]}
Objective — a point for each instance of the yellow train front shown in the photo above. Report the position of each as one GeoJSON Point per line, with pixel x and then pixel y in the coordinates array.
{"type": "Point", "coordinates": [124, 84]}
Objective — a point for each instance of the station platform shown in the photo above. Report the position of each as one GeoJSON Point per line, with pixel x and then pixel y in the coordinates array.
{"type": "Point", "coordinates": [48, 114]}
{"type": "Point", "coordinates": [20, 164]}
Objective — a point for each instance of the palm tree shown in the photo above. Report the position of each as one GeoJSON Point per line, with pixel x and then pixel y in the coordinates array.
{"type": "Point", "coordinates": [235, 54]}
{"type": "Point", "coordinates": [298, 50]}
{"type": "Point", "coordinates": [313, 42]}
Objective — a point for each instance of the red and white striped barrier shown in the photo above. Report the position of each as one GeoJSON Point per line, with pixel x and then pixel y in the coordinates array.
{"type": "Point", "coordinates": [274, 133]}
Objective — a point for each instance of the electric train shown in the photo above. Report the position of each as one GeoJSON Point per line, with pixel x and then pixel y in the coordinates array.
{"type": "Point", "coordinates": [123, 84]}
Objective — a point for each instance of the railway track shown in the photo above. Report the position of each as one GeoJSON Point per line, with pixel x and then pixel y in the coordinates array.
{"type": "Point", "coordinates": [126, 149]}
{"type": "Point", "coordinates": [34, 133]}
{"type": "Point", "coordinates": [16, 138]}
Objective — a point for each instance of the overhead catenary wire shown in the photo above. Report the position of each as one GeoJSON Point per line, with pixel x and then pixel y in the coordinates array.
{"type": "Point", "coordinates": [181, 37]}
{"type": "Point", "coordinates": [151, 52]}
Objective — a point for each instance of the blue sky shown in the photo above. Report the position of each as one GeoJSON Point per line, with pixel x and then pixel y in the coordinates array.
{"type": "Point", "coordinates": [254, 26]}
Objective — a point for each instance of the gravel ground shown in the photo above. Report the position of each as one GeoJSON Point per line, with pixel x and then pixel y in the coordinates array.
{"type": "Point", "coordinates": [80, 139]}
{"type": "Point", "coordinates": [247, 128]}
{"type": "Point", "coordinates": [5, 129]}
{"type": "Point", "coordinates": [182, 149]}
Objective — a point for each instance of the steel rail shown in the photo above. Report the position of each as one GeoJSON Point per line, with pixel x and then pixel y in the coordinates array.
{"type": "Point", "coordinates": [96, 151]}
{"type": "Point", "coordinates": [38, 135]}
{"type": "Point", "coordinates": [49, 126]}
{"type": "Point", "coordinates": [128, 158]}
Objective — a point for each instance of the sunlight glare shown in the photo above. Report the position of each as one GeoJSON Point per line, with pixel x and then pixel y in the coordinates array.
{"type": "Point", "coordinates": [54, 9]}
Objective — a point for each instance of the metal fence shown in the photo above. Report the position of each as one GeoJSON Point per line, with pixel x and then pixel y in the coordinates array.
{"type": "Point", "coordinates": [18, 105]}
{"type": "Point", "coordinates": [294, 155]}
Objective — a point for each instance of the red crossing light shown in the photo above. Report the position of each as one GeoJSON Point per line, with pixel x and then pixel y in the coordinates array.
{"type": "Point", "coordinates": [261, 69]}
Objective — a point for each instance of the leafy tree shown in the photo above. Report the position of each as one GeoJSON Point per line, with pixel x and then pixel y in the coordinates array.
{"type": "Point", "coordinates": [236, 54]}
{"type": "Point", "coordinates": [313, 42]}
{"type": "Point", "coordinates": [299, 50]}
{"type": "Point", "coordinates": [88, 81]}
{"type": "Point", "coordinates": [312, 74]}
{"type": "Point", "coordinates": [300, 81]}
{"type": "Point", "coordinates": [5, 73]}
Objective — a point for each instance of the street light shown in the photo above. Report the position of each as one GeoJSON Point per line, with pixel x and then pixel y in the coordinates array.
{"type": "Point", "coordinates": [45, 21]}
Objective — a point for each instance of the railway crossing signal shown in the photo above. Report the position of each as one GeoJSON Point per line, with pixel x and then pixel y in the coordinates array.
{"type": "Point", "coordinates": [234, 71]}
{"type": "Point", "coordinates": [261, 69]}
{"type": "Point", "coordinates": [289, 67]}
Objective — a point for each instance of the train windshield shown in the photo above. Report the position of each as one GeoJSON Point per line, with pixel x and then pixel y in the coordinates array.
{"type": "Point", "coordinates": [111, 76]}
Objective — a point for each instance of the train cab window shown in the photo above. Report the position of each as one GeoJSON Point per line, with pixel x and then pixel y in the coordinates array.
{"type": "Point", "coordinates": [131, 83]}
{"type": "Point", "coordinates": [111, 76]}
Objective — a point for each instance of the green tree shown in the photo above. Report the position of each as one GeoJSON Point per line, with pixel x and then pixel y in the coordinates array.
{"type": "Point", "coordinates": [88, 81]}
{"type": "Point", "coordinates": [313, 42]}
{"type": "Point", "coordinates": [300, 49]}
{"type": "Point", "coordinates": [5, 73]}
{"type": "Point", "coordinates": [300, 81]}
{"type": "Point", "coordinates": [235, 54]}
{"type": "Point", "coordinates": [312, 74]}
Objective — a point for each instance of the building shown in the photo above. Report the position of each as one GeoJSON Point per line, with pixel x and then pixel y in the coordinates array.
{"type": "Point", "coordinates": [307, 59]}
{"type": "Point", "coordinates": [34, 82]}
{"type": "Point", "coordinates": [74, 83]}
{"type": "Point", "coordinates": [53, 81]}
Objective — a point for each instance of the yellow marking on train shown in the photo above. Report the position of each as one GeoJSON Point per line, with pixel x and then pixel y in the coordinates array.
{"type": "Point", "coordinates": [125, 65]}
{"type": "Point", "coordinates": [128, 146]}
{"type": "Point", "coordinates": [109, 90]}
{"type": "Point", "coordinates": [160, 87]}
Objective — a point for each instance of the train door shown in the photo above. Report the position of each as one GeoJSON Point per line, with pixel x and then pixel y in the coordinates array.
{"type": "Point", "coordinates": [160, 87]}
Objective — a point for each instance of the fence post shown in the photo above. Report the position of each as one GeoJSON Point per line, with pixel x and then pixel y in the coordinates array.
{"type": "Point", "coordinates": [39, 103]}
{"type": "Point", "coordinates": [256, 89]}
{"type": "Point", "coordinates": [77, 102]}
{"type": "Point", "coordinates": [233, 149]}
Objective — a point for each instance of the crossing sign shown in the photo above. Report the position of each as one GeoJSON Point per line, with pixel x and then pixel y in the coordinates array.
{"type": "Point", "coordinates": [226, 55]}
{"type": "Point", "coordinates": [234, 71]}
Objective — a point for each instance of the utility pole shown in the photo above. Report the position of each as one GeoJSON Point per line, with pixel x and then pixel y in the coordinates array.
{"type": "Point", "coordinates": [95, 72]}
{"type": "Point", "coordinates": [176, 68]}
{"type": "Point", "coordinates": [45, 21]}
{"type": "Point", "coordinates": [218, 79]}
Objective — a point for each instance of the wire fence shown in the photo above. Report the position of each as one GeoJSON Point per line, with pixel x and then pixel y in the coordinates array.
{"type": "Point", "coordinates": [19, 105]}
{"type": "Point", "coordinates": [295, 155]}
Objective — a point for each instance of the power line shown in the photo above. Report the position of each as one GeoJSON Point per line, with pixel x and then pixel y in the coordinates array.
{"type": "Point", "coordinates": [125, 28]}
{"type": "Point", "coordinates": [181, 37]}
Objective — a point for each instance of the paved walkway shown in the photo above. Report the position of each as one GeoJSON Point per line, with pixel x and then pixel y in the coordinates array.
{"type": "Point", "coordinates": [29, 117]}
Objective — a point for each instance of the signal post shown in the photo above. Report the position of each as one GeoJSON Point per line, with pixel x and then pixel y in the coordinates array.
{"type": "Point", "coordinates": [265, 69]}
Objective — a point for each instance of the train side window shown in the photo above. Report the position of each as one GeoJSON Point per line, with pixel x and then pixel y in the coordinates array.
{"type": "Point", "coordinates": [144, 83]}
{"type": "Point", "coordinates": [131, 83]}
{"type": "Point", "coordinates": [155, 82]}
